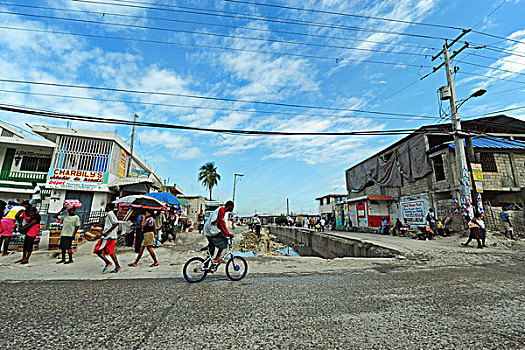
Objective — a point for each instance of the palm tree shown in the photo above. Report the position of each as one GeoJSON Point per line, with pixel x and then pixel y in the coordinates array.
{"type": "Point", "coordinates": [208, 176]}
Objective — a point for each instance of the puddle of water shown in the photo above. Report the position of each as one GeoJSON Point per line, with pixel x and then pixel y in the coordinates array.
{"type": "Point", "coordinates": [287, 252]}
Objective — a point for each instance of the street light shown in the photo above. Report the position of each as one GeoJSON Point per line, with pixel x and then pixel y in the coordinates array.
{"type": "Point", "coordinates": [478, 93]}
{"type": "Point", "coordinates": [235, 185]}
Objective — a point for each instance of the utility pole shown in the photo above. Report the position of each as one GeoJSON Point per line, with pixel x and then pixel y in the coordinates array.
{"type": "Point", "coordinates": [287, 207]}
{"type": "Point", "coordinates": [235, 185]}
{"type": "Point", "coordinates": [461, 159]}
{"type": "Point", "coordinates": [135, 117]}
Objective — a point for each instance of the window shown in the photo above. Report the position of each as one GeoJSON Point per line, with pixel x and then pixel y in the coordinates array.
{"type": "Point", "coordinates": [439, 169]}
{"type": "Point", "coordinates": [320, 201]}
{"type": "Point", "coordinates": [328, 200]}
{"type": "Point", "coordinates": [41, 165]}
{"type": "Point", "coordinates": [83, 153]}
{"type": "Point", "coordinates": [488, 163]}
{"type": "Point", "coordinates": [383, 190]}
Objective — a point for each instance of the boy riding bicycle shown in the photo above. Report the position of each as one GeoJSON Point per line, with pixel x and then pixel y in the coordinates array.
{"type": "Point", "coordinates": [216, 231]}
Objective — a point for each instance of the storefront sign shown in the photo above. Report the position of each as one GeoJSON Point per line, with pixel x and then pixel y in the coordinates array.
{"type": "Point", "coordinates": [75, 179]}
{"type": "Point", "coordinates": [479, 186]}
{"type": "Point", "coordinates": [138, 173]}
{"type": "Point", "coordinates": [122, 163]}
{"type": "Point", "coordinates": [477, 172]}
{"type": "Point", "coordinates": [32, 154]}
{"type": "Point", "coordinates": [414, 212]}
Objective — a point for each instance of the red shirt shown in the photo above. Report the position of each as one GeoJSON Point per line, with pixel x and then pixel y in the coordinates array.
{"type": "Point", "coordinates": [35, 229]}
{"type": "Point", "coordinates": [221, 224]}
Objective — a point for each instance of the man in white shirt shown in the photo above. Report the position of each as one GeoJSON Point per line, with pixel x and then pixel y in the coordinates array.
{"type": "Point", "coordinates": [106, 243]}
{"type": "Point", "coordinates": [35, 196]}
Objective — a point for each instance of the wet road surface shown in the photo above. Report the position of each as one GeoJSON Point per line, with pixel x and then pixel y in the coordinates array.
{"type": "Point", "coordinates": [460, 308]}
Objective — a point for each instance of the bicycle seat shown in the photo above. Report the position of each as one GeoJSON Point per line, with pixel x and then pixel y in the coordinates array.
{"type": "Point", "coordinates": [204, 249]}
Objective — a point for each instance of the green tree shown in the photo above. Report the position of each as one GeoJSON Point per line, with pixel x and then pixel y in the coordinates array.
{"type": "Point", "coordinates": [209, 176]}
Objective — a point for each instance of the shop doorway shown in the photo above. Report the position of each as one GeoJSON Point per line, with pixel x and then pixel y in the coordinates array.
{"type": "Point", "coordinates": [86, 198]}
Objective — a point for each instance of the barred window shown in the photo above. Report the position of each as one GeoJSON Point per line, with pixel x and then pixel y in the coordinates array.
{"type": "Point", "coordinates": [488, 163]}
{"type": "Point", "coordinates": [35, 164]}
{"type": "Point", "coordinates": [83, 154]}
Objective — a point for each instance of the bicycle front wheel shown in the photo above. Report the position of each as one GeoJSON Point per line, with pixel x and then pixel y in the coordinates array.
{"type": "Point", "coordinates": [194, 270]}
{"type": "Point", "coordinates": [236, 268]}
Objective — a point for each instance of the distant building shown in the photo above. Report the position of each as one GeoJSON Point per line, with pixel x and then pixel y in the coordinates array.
{"type": "Point", "coordinates": [327, 204]}
{"type": "Point", "coordinates": [195, 204]}
{"type": "Point", "coordinates": [419, 172]}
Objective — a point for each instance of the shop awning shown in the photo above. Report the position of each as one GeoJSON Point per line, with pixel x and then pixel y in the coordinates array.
{"type": "Point", "coordinates": [184, 202]}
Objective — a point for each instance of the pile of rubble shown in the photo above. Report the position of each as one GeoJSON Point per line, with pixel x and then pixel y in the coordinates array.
{"type": "Point", "coordinates": [267, 244]}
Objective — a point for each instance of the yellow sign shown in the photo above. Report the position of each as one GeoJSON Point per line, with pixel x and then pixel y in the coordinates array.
{"type": "Point", "coordinates": [122, 163]}
{"type": "Point", "coordinates": [479, 186]}
{"type": "Point", "coordinates": [477, 172]}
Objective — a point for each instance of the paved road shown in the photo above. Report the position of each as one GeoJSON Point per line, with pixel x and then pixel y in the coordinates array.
{"type": "Point", "coordinates": [403, 308]}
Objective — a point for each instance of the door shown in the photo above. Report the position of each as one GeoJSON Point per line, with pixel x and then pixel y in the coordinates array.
{"type": "Point", "coordinates": [8, 160]}
{"type": "Point", "coordinates": [362, 217]}
{"type": "Point", "coordinates": [86, 198]}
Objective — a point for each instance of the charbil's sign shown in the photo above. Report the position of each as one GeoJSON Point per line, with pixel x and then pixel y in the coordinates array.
{"type": "Point", "coordinates": [75, 179]}
{"type": "Point", "coordinates": [414, 212]}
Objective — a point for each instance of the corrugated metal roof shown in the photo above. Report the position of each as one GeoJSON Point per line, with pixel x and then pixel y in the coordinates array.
{"type": "Point", "coordinates": [493, 142]}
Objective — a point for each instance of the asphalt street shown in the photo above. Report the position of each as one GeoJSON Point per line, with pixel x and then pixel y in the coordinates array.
{"type": "Point", "coordinates": [388, 308]}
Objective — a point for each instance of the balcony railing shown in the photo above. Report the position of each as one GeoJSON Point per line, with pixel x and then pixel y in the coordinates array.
{"type": "Point", "coordinates": [18, 176]}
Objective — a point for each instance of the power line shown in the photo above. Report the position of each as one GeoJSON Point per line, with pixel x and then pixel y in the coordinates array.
{"type": "Point", "coordinates": [74, 117]}
{"type": "Point", "coordinates": [221, 25]}
{"type": "Point", "coordinates": [240, 15]}
{"type": "Point", "coordinates": [219, 35]}
{"type": "Point", "coordinates": [488, 67]}
{"type": "Point", "coordinates": [211, 98]}
{"type": "Point", "coordinates": [344, 14]}
{"type": "Point", "coordinates": [489, 14]}
{"type": "Point", "coordinates": [197, 107]}
{"type": "Point", "coordinates": [490, 77]}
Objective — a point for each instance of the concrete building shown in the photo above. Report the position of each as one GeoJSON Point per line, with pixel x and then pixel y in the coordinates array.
{"type": "Point", "coordinates": [327, 204]}
{"type": "Point", "coordinates": [91, 166]}
{"type": "Point", "coordinates": [23, 161]}
{"type": "Point", "coordinates": [195, 205]}
{"type": "Point", "coordinates": [419, 171]}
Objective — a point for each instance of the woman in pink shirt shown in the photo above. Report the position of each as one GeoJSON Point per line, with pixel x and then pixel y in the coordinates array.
{"type": "Point", "coordinates": [31, 230]}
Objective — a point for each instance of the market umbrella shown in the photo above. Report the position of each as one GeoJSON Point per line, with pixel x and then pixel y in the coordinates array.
{"type": "Point", "coordinates": [127, 199]}
{"type": "Point", "coordinates": [165, 197]}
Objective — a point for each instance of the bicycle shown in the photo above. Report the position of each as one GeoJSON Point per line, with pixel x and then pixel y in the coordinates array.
{"type": "Point", "coordinates": [197, 268]}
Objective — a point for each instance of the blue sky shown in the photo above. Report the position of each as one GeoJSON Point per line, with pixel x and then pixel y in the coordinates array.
{"type": "Point", "coordinates": [275, 168]}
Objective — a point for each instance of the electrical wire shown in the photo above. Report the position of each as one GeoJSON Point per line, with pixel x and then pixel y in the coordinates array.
{"type": "Point", "coordinates": [376, 18]}
{"type": "Point", "coordinates": [212, 98]}
{"type": "Point", "coordinates": [199, 107]}
{"type": "Point", "coordinates": [239, 15]}
{"type": "Point", "coordinates": [75, 117]}
{"type": "Point", "coordinates": [333, 58]}
{"type": "Point", "coordinates": [343, 14]}
{"type": "Point", "coordinates": [489, 77]}
{"type": "Point", "coordinates": [220, 25]}
{"type": "Point", "coordinates": [218, 35]}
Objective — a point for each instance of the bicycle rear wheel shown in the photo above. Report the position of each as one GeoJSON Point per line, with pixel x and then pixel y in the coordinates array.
{"type": "Point", "coordinates": [194, 270]}
{"type": "Point", "coordinates": [236, 268]}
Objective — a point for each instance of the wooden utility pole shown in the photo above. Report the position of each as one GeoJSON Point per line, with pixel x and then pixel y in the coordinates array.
{"type": "Point", "coordinates": [135, 117]}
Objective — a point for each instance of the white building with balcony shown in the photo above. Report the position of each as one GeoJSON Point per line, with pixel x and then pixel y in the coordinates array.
{"type": "Point", "coordinates": [23, 161]}
{"type": "Point", "coordinates": [93, 167]}
{"type": "Point", "coordinates": [327, 204]}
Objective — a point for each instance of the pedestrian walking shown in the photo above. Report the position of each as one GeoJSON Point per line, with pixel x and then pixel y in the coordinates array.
{"type": "Point", "coordinates": [483, 232]}
{"type": "Point", "coordinates": [475, 233]}
{"type": "Point", "coordinates": [505, 219]}
{"type": "Point", "coordinates": [200, 220]}
{"type": "Point", "coordinates": [257, 224]}
{"type": "Point", "coordinates": [148, 226]}
{"type": "Point", "coordinates": [322, 223]}
{"type": "Point", "coordinates": [160, 219]}
{"type": "Point", "coordinates": [106, 243]}
{"type": "Point", "coordinates": [30, 230]}
{"type": "Point", "coordinates": [70, 226]}
{"type": "Point", "coordinates": [139, 234]}
{"type": "Point", "coordinates": [35, 196]}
